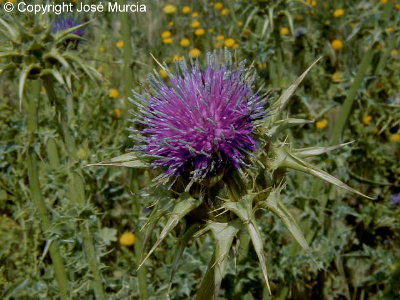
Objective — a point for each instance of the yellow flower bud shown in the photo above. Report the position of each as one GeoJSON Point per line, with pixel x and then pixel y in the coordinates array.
{"type": "Point", "coordinates": [127, 239]}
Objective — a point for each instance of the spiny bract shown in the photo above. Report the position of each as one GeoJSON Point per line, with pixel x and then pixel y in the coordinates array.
{"type": "Point", "coordinates": [202, 120]}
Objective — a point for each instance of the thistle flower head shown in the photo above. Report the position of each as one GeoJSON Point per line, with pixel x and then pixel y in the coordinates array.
{"type": "Point", "coordinates": [64, 23]}
{"type": "Point", "coordinates": [203, 120]}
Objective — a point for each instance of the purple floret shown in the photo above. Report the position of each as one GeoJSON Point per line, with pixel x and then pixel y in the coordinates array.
{"type": "Point", "coordinates": [64, 23]}
{"type": "Point", "coordinates": [202, 120]}
{"type": "Point", "coordinates": [395, 199]}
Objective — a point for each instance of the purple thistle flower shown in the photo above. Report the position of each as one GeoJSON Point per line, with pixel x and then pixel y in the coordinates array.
{"type": "Point", "coordinates": [64, 23]}
{"type": "Point", "coordinates": [395, 199]}
{"type": "Point", "coordinates": [202, 121]}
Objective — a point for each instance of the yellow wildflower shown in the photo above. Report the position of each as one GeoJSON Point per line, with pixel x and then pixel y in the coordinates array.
{"type": "Point", "coordinates": [337, 44]}
{"type": "Point", "coordinates": [127, 239]}
{"type": "Point", "coordinates": [384, 1]}
{"type": "Point", "coordinates": [394, 52]}
{"type": "Point", "coordinates": [321, 124]}
{"type": "Point", "coordinates": [169, 9]}
{"type": "Point", "coordinates": [186, 9]}
{"type": "Point", "coordinates": [166, 34]}
{"type": "Point", "coordinates": [195, 14]}
{"type": "Point", "coordinates": [171, 23]}
{"type": "Point", "coordinates": [367, 119]}
{"type": "Point", "coordinates": [199, 31]}
{"type": "Point", "coordinates": [218, 5]}
{"type": "Point", "coordinates": [395, 137]}
{"type": "Point", "coordinates": [338, 13]}
{"type": "Point", "coordinates": [195, 24]}
{"type": "Point", "coordinates": [168, 41]}
{"type": "Point", "coordinates": [113, 93]}
{"type": "Point", "coordinates": [220, 37]}
{"type": "Point", "coordinates": [239, 23]}
{"type": "Point", "coordinates": [194, 52]}
{"type": "Point", "coordinates": [397, 6]}
{"type": "Point", "coordinates": [117, 113]}
{"type": "Point", "coordinates": [262, 65]}
{"type": "Point", "coordinates": [389, 29]}
{"type": "Point", "coordinates": [163, 73]}
{"type": "Point", "coordinates": [120, 44]}
{"type": "Point", "coordinates": [177, 57]}
{"type": "Point", "coordinates": [337, 76]}
{"type": "Point", "coordinates": [184, 42]}
{"type": "Point", "coordinates": [225, 11]}
{"type": "Point", "coordinates": [284, 31]}
{"type": "Point", "coordinates": [312, 2]}
{"type": "Point", "coordinates": [229, 42]}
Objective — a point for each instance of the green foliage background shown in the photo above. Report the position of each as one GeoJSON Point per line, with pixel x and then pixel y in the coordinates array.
{"type": "Point", "coordinates": [355, 240]}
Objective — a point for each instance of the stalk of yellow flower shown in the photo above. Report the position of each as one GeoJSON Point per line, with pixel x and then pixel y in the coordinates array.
{"type": "Point", "coordinates": [346, 107]}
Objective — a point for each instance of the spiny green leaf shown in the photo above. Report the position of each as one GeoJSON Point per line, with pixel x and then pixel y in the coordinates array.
{"type": "Point", "coordinates": [129, 160]}
{"type": "Point", "coordinates": [12, 34]}
{"type": "Point", "coordinates": [22, 80]}
{"type": "Point", "coordinates": [223, 235]}
{"type": "Point", "coordinates": [293, 162]}
{"type": "Point", "coordinates": [88, 70]}
{"type": "Point", "coordinates": [314, 151]}
{"type": "Point", "coordinates": [274, 204]}
{"type": "Point", "coordinates": [9, 54]}
{"type": "Point", "coordinates": [181, 209]}
{"type": "Point", "coordinates": [282, 125]}
{"type": "Point", "coordinates": [57, 75]}
{"type": "Point", "coordinates": [281, 103]}
{"type": "Point", "coordinates": [182, 242]}
{"type": "Point", "coordinates": [64, 34]}
{"type": "Point", "coordinates": [243, 209]}
{"type": "Point", "coordinates": [58, 57]}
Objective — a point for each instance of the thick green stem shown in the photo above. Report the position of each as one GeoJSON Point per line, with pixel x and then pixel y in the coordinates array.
{"type": "Point", "coordinates": [52, 153]}
{"type": "Point", "coordinates": [346, 108]}
{"type": "Point", "coordinates": [77, 194]}
{"type": "Point", "coordinates": [33, 104]}
{"type": "Point", "coordinates": [92, 261]}
{"type": "Point", "coordinates": [127, 54]}
{"type": "Point", "coordinates": [58, 264]}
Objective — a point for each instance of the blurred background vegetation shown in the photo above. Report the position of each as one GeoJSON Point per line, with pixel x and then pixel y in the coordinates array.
{"type": "Point", "coordinates": [354, 89]}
